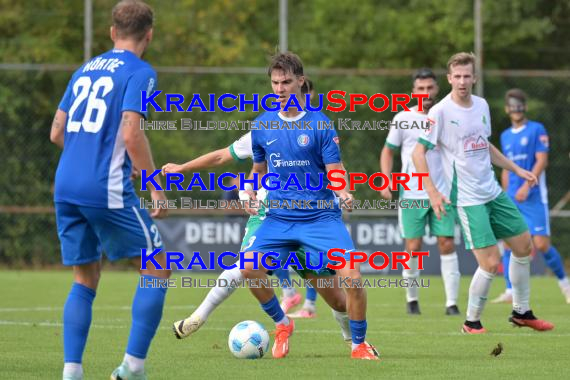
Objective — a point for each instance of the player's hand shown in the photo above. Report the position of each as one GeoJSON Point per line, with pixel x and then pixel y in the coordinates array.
{"type": "Point", "coordinates": [158, 213]}
{"type": "Point", "coordinates": [386, 193]}
{"type": "Point", "coordinates": [251, 206]}
{"type": "Point", "coordinates": [347, 199]}
{"type": "Point", "coordinates": [438, 201]}
{"type": "Point", "coordinates": [172, 168]}
{"type": "Point", "coordinates": [528, 176]}
{"type": "Point", "coordinates": [522, 193]}
{"type": "Point", "coordinates": [135, 173]}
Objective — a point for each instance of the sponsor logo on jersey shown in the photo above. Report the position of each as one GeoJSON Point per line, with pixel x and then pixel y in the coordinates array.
{"type": "Point", "coordinates": [277, 162]}
{"type": "Point", "coordinates": [474, 144]}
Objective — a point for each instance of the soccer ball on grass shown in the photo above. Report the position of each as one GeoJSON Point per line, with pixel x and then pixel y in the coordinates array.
{"type": "Point", "coordinates": [248, 340]}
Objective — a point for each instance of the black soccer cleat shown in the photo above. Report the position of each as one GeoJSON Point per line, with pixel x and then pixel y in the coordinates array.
{"type": "Point", "coordinates": [452, 310]}
{"type": "Point", "coordinates": [413, 308]}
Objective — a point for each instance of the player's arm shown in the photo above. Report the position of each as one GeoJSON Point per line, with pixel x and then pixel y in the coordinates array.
{"type": "Point", "coordinates": [539, 166]}
{"type": "Point", "coordinates": [344, 194]}
{"type": "Point", "coordinates": [57, 131]}
{"type": "Point", "coordinates": [505, 179]}
{"type": "Point", "coordinates": [259, 168]}
{"type": "Point", "coordinates": [437, 200]}
{"type": "Point", "coordinates": [386, 165]}
{"type": "Point", "coordinates": [140, 154]}
{"type": "Point", "coordinates": [209, 160]}
{"type": "Point", "coordinates": [499, 159]}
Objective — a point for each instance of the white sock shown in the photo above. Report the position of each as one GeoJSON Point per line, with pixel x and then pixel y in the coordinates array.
{"type": "Point", "coordinates": [478, 292]}
{"type": "Point", "coordinates": [509, 290]}
{"type": "Point", "coordinates": [73, 370]}
{"type": "Point", "coordinates": [564, 283]}
{"type": "Point", "coordinates": [309, 305]}
{"type": "Point", "coordinates": [519, 274]}
{"type": "Point", "coordinates": [283, 321]}
{"type": "Point", "coordinates": [219, 293]}
{"type": "Point", "coordinates": [451, 277]}
{"type": "Point", "coordinates": [344, 323]}
{"type": "Point", "coordinates": [136, 365]}
{"type": "Point", "coordinates": [289, 292]}
{"type": "Point", "coordinates": [412, 273]}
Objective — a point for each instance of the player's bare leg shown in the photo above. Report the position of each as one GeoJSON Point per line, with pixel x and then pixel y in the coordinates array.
{"type": "Point", "coordinates": [270, 304]}
{"type": "Point", "coordinates": [450, 273]}
{"type": "Point", "coordinates": [519, 272]}
{"type": "Point", "coordinates": [356, 306]}
{"type": "Point", "coordinates": [335, 297]}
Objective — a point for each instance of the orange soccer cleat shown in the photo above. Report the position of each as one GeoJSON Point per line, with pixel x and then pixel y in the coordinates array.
{"type": "Point", "coordinates": [529, 320]}
{"type": "Point", "coordinates": [365, 351]}
{"type": "Point", "coordinates": [281, 345]}
{"type": "Point", "coordinates": [473, 328]}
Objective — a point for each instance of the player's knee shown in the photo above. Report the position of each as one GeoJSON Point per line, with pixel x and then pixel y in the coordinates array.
{"type": "Point", "coordinates": [445, 245]}
{"type": "Point", "coordinates": [492, 264]}
{"type": "Point", "coordinates": [89, 281]}
{"type": "Point", "coordinates": [413, 244]}
{"type": "Point", "coordinates": [339, 304]}
{"type": "Point", "coordinates": [248, 270]}
{"type": "Point", "coordinates": [87, 275]}
{"type": "Point", "coordinates": [542, 245]}
{"type": "Point", "coordinates": [162, 273]}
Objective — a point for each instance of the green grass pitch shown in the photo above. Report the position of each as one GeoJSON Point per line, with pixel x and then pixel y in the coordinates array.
{"type": "Point", "coordinates": [426, 346]}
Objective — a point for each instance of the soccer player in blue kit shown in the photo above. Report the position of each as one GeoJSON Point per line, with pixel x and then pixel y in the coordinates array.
{"type": "Point", "coordinates": [311, 152]}
{"type": "Point", "coordinates": [526, 143]}
{"type": "Point", "coordinates": [97, 125]}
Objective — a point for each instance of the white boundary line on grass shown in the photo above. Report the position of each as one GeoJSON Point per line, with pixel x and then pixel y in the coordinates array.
{"type": "Point", "coordinates": [310, 331]}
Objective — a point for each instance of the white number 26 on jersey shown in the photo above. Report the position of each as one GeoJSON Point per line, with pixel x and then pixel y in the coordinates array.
{"type": "Point", "coordinates": [81, 89]}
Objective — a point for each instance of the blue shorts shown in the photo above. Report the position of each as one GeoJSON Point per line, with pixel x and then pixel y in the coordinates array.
{"type": "Point", "coordinates": [536, 215]}
{"type": "Point", "coordinates": [283, 237]}
{"type": "Point", "coordinates": [84, 232]}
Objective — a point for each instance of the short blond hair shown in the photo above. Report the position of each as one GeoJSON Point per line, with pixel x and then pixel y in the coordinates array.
{"type": "Point", "coordinates": [461, 59]}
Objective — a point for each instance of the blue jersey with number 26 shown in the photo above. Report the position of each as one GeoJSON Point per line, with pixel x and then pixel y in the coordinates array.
{"type": "Point", "coordinates": [94, 168]}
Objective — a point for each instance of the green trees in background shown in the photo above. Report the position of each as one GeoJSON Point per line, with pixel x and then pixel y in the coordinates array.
{"type": "Point", "coordinates": [518, 34]}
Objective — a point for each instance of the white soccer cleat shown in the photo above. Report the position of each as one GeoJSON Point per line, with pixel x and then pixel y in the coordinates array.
{"type": "Point", "coordinates": [504, 298]}
{"type": "Point", "coordinates": [186, 327]}
{"type": "Point", "coordinates": [124, 373]}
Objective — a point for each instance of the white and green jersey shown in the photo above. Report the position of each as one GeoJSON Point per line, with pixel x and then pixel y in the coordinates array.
{"type": "Point", "coordinates": [406, 140]}
{"type": "Point", "coordinates": [462, 136]}
{"type": "Point", "coordinates": [240, 150]}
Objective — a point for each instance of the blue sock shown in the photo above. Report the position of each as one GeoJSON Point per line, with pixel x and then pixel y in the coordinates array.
{"type": "Point", "coordinates": [273, 309]}
{"type": "Point", "coordinates": [76, 321]}
{"type": "Point", "coordinates": [358, 330]}
{"type": "Point", "coordinates": [146, 314]}
{"type": "Point", "coordinates": [506, 262]}
{"type": "Point", "coordinates": [554, 262]}
{"type": "Point", "coordinates": [311, 294]}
